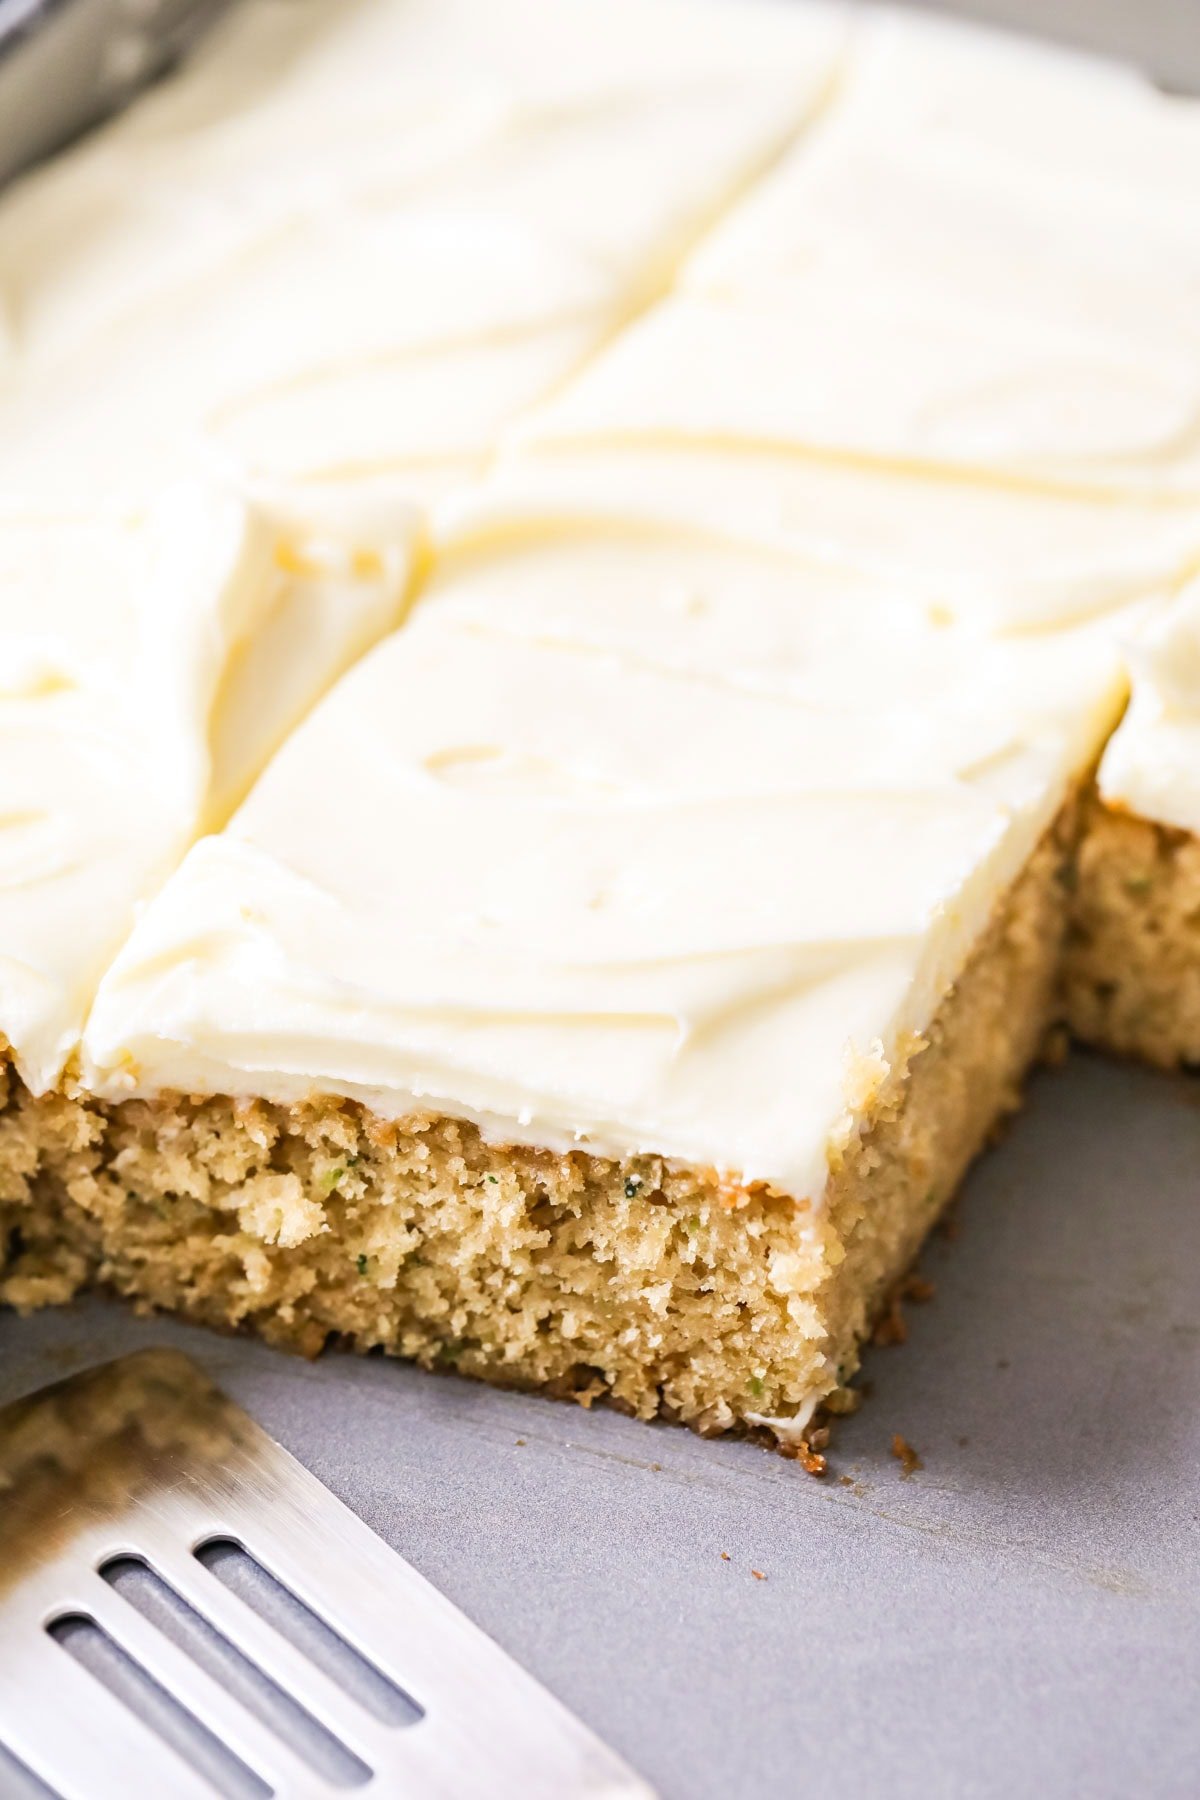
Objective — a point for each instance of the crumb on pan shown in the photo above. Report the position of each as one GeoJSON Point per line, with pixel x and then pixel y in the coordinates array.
{"type": "Point", "coordinates": [906, 1456]}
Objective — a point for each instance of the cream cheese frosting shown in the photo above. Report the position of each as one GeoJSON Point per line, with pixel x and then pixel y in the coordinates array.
{"type": "Point", "coordinates": [957, 333]}
{"type": "Point", "coordinates": [307, 280]}
{"type": "Point", "coordinates": [353, 240]}
{"type": "Point", "coordinates": [1018, 181]}
{"type": "Point", "coordinates": [1021, 559]}
{"type": "Point", "coordinates": [987, 260]}
{"type": "Point", "coordinates": [1152, 764]}
{"type": "Point", "coordinates": [639, 790]}
{"type": "Point", "coordinates": [850, 369]}
{"type": "Point", "coordinates": [150, 665]}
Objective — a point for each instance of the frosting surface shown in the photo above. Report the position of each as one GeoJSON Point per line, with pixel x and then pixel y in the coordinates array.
{"type": "Point", "coordinates": [1019, 558]}
{"type": "Point", "coordinates": [149, 666]}
{"type": "Point", "coordinates": [256, 322]}
{"type": "Point", "coordinates": [352, 239]}
{"type": "Point", "coordinates": [1152, 764]}
{"type": "Point", "coordinates": [987, 260]}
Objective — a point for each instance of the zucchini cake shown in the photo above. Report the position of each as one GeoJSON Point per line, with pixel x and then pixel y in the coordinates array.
{"type": "Point", "coordinates": [754, 446]}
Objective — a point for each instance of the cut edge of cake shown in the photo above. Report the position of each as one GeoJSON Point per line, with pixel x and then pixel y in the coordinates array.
{"type": "Point", "coordinates": [1131, 976]}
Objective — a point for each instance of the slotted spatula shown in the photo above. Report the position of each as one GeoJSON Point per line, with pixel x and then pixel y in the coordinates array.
{"type": "Point", "coordinates": [143, 1468]}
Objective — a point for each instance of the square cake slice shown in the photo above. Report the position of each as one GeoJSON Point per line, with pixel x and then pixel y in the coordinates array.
{"type": "Point", "coordinates": [604, 989]}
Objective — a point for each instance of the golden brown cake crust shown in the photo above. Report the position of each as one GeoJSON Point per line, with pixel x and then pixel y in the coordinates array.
{"type": "Point", "coordinates": [667, 1290]}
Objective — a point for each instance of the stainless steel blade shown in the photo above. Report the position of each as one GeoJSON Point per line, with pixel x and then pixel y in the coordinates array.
{"type": "Point", "coordinates": [144, 1464]}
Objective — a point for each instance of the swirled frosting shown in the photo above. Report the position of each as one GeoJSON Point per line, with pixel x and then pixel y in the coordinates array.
{"type": "Point", "coordinates": [149, 666]}
{"type": "Point", "coordinates": [352, 239]}
{"type": "Point", "coordinates": [325, 262]}
{"type": "Point", "coordinates": [984, 263]}
{"type": "Point", "coordinates": [1152, 764]}
{"type": "Point", "coordinates": [955, 337]}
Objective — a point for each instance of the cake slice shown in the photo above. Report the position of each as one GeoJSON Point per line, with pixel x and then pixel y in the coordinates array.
{"type": "Point", "coordinates": [604, 989]}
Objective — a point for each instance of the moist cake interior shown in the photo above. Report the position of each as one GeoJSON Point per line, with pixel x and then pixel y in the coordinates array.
{"type": "Point", "coordinates": [633, 647]}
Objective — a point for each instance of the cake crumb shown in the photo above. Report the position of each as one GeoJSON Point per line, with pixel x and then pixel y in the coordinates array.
{"type": "Point", "coordinates": [906, 1456]}
{"type": "Point", "coordinates": [725, 1556]}
{"type": "Point", "coordinates": [892, 1327]}
{"type": "Point", "coordinates": [949, 1224]}
{"type": "Point", "coordinates": [758, 1575]}
{"type": "Point", "coordinates": [802, 1452]}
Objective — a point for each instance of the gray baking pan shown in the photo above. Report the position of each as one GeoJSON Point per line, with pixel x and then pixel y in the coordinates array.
{"type": "Point", "coordinates": [1020, 1615]}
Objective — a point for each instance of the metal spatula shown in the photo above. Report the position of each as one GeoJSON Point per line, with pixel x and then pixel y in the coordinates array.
{"type": "Point", "coordinates": [185, 1610]}
{"type": "Point", "coordinates": [64, 64]}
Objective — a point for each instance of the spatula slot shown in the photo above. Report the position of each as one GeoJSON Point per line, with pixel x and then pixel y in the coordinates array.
{"type": "Point", "coordinates": [245, 1576]}
{"type": "Point", "coordinates": [133, 1685]}
{"type": "Point", "coordinates": [144, 1589]}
